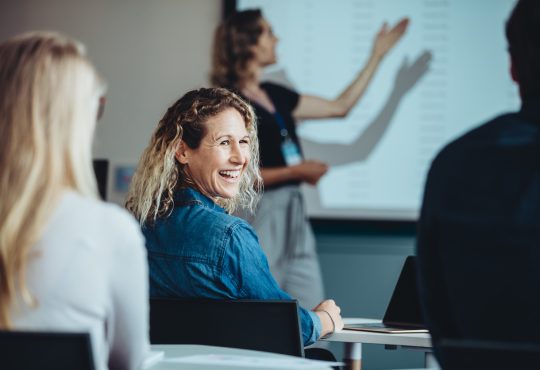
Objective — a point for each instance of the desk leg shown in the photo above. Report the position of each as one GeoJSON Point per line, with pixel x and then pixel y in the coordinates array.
{"type": "Point", "coordinates": [353, 356]}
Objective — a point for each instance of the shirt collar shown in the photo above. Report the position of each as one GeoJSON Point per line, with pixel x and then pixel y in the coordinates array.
{"type": "Point", "coordinates": [191, 196]}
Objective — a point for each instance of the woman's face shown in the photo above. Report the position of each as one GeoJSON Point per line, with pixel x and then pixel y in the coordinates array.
{"type": "Point", "coordinates": [218, 164]}
{"type": "Point", "coordinates": [265, 50]}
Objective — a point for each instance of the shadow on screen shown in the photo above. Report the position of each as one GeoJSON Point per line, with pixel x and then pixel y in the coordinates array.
{"type": "Point", "coordinates": [407, 77]}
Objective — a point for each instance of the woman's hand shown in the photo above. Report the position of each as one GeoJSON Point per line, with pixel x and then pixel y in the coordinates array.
{"type": "Point", "coordinates": [309, 171]}
{"type": "Point", "coordinates": [387, 38]}
{"type": "Point", "coordinates": [330, 315]}
{"type": "Point", "coordinates": [306, 171]}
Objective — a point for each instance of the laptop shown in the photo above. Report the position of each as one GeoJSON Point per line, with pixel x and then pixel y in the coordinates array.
{"type": "Point", "coordinates": [403, 314]}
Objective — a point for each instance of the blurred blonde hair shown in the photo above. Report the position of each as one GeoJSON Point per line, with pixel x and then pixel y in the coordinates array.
{"type": "Point", "coordinates": [159, 174]}
{"type": "Point", "coordinates": [48, 106]}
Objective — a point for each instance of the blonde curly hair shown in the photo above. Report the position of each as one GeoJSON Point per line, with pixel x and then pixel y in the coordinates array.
{"type": "Point", "coordinates": [159, 174]}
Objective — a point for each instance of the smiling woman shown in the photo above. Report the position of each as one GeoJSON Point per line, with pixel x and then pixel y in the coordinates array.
{"type": "Point", "coordinates": [200, 135]}
{"type": "Point", "coordinates": [217, 165]}
{"type": "Point", "coordinates": [202, 162]}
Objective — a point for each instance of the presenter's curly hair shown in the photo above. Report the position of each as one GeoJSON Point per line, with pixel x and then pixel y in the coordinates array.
{"type": "Point", "coordinates": [159, 174]}
{"type": "Point", "coordinates": [233, 41]}
{"type": "Point", "coordinates": [48, 106]}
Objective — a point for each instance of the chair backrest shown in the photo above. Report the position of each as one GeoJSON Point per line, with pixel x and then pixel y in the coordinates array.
{"type": "Point", "coordinates": [101, 170]}
{"type": "Point", "coordinates": [271, 326]}
{"type": "Point", "coordinates": [473, 354]}
{"type": "Point", "coordinates": [22, 350]}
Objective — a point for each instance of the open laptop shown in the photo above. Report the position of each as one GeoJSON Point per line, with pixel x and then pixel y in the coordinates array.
{"type": "Point", "coordinates": [403, 314]}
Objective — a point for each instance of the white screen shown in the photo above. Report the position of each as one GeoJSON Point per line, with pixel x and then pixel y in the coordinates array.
{"type": "Point", "coordinates": [380, 153]}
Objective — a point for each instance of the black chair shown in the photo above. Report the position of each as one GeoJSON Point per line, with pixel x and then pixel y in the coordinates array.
{"type": "Point", "coordinates": [455, 354]}
{"type": "Point", "coordinates": [101, 170]}
{"type": "Point", "coordinates": [22, 350]}
{"type": "Point", "coordinates": [271, 326]}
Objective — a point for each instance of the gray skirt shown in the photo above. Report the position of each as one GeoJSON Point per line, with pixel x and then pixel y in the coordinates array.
{"type": "Point", "coordinates": [287, 239]}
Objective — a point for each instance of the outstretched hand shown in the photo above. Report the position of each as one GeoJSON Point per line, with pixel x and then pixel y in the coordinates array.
{"type": "Point", "coordinates": [386, 38]}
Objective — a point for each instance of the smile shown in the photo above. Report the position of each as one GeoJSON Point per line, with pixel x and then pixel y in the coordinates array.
{"type": "Point", "coordinates": [230, 174]}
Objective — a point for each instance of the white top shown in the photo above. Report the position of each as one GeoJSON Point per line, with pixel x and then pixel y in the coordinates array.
{"type": "Point", "coordinates": [89, 274]}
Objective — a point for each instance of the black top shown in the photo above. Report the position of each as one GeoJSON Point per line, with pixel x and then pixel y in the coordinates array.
{"type": "Point", "coordinates": [479, 232]}
{"type": "Point", "coordinates": [270, 139]}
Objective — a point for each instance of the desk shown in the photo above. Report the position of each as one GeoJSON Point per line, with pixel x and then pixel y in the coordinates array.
{"type": "Point", "coordinates": [179, 350]}
{"type": "Point", "coordinates": [353, 341]}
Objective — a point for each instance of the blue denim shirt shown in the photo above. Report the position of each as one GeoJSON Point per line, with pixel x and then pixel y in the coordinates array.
{"type": "Point", "coordinates": [201, 251]}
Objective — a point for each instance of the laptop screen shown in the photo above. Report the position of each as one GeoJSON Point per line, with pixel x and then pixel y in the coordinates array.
{"type": "Point", "coordinates": [404, 306]}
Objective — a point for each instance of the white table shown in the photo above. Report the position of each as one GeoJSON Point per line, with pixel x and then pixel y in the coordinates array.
{"type": "Point", "coordinates": [353, 340]}
{"type": "Point", "coordinates": [180, 350]}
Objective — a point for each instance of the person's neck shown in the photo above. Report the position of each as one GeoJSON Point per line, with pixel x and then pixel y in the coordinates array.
{"type": "Point", "coordinates": [251, 88]}
{"type": "Point", "coordinates": [251, 85]}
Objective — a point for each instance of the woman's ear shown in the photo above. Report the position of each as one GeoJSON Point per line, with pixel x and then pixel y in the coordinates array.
{"type": "Point", "coordinates": [182, 153]}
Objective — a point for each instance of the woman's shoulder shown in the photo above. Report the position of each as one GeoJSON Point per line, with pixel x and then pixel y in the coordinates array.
{"type": "Point", "coordinates": [283, 97]}
{"type": "Point", "coordinates": [229, 223]}
{"type": "Point", "coordinates": [85, 215]}
{"type": "Point", "coordinates": [200, 219]}
{"type": "Point", "coordinates": [273, 88]}
{"type": "Point", "coordinates": [93, 208]}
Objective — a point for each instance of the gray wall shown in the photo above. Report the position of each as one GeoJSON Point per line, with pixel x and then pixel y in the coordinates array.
{"type": "Point", "coordinates": [149, 51]}
{"type": "Point", "coordinates": [152, 51]}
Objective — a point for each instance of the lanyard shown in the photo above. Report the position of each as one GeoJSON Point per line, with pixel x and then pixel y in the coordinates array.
{"type": "Point", "coordinates": [281, 123]}
{"type": "Point", "coordinates": [289, 149]}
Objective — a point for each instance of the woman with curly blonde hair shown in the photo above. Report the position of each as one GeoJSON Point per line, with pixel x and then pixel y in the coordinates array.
{"type": "Point", "coordinates": [68, 262]}
{"type": "Point", "coordinates": [202, 162]}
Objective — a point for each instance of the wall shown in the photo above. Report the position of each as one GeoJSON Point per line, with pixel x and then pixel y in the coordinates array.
{"type": "Point", "coordinates": [149, 52]}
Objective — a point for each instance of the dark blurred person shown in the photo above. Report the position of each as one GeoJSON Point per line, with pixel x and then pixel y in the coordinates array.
{"type": "Point", "coordinates": [479, 230]}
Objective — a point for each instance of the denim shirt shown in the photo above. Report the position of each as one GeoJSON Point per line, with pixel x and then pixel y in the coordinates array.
{"type": "Point", "coordinates": [201, 251]}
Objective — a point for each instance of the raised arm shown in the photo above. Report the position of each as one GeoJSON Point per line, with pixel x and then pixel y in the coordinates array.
{"type": "Point", "coordinates": [317, 107]}
{"type": "Point", "coordinates": [408, 75]}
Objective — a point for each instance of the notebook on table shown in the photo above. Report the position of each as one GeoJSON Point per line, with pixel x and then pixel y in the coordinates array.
{"type": "Point", "coordinates": [403, 314]}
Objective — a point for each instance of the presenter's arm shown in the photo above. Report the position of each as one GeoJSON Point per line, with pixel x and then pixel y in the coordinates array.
{"type": "Point", "coordinates": [308, 171]}
{"type": "Point", "coordinates": [317, 107]}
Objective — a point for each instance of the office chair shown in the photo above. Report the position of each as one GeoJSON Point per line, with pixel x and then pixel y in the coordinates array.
{"type": "Point", "coordinates": [25, 350]}
{"type": "Point", "coordinates": [101, 170]}
{"type": "Point", "coordinates": [463, 354]}
{"type": "Point", "coordinates": [271, 326]}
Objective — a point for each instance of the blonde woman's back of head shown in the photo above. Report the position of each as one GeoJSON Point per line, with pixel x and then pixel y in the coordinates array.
{"type": "Point", "coordinates": [49, 95]}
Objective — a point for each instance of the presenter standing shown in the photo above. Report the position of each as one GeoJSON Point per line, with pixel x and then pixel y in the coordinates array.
{"type": "Point", "coordinates": [244, 44]}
